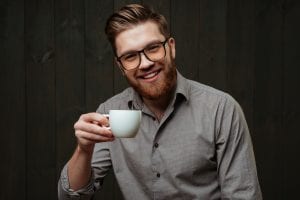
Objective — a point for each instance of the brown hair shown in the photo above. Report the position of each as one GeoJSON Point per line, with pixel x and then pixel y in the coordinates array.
{"type": "Point", "coordinates": [131, 15]}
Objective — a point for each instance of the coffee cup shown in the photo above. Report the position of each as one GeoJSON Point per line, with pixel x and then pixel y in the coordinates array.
{"type": "Point", "coordinates": [125, 123]}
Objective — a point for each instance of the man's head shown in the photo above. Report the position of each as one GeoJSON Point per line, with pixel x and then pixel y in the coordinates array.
{"type": "Point", "coordinates": [144, 50]}
{"type": "Point", "coordinates": [132, 15]}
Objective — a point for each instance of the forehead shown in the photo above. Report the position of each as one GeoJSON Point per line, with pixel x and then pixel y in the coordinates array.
{"type": "Point", "coordinates": [137, 37]}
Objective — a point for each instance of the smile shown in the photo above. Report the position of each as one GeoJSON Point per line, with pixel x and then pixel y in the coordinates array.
{"type": "Point", "coordinates": [150, 76]}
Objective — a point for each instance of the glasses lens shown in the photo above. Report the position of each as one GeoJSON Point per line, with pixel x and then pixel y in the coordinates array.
{"type": "Point", "coordinates": [130, 61]}
{"type": "Point", "coordinates": [155, 52]}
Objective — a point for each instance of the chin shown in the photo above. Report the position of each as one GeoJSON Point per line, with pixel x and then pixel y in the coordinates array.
{"type": "Point", "coordinates": [153, 95]}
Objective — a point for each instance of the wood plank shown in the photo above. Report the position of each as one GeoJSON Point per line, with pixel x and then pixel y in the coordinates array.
{"type": "Point", "coordinates": [212, 41]}
{"type": "Point", "coordinates": [98, 54]}
{"type": "Point", "coordinates": [12, 101]}
{"type": "Point", "coordinates": [185, 21]}
{"type": "Point", "coordinates": [240, 55]}
{"type": "Point", "coordinates": [268, 92]}
{"type": "Point", "coordinates": [291, 98]}
{"type": "Point", "coordinates": [39, 41]}
{"type": "Point", "coordinates": [70, 75]}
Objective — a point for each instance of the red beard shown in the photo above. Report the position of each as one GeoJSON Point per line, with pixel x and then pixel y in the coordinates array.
{"type": "Point", "coordinates": [157, 89]}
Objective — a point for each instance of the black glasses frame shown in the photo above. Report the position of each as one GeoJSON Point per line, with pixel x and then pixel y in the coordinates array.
{"type": "Point", "coordinates": [143, 51]}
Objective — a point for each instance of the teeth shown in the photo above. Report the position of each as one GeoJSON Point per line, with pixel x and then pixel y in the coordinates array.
{"type": "Point", "coordinates": [150, 75]}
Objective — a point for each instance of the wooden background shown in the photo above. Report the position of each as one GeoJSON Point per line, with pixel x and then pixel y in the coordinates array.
{"type": "Point", "coordinates": [56, 64]}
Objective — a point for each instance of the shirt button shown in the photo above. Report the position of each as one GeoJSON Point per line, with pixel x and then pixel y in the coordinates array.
{"type": "Point", "coordinates": [156, 145]}
{"type": "Point", "coordinates": [158, 175]}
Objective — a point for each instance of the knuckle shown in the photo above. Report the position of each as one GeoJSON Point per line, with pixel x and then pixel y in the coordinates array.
{"type": "Point", "coordinates": [82, 116]}
{"type": "Point", "coordinates": [78, 133]}
{"type": "Point", "coordinates": [75, 125]}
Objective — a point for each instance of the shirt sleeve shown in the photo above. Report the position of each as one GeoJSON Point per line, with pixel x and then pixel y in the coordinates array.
{"type": "Point", "coordinates": [101, 164]}
{"type": "Point", "coordinates": [235, 156]}
{"type": "Point", "coordinates": [64, 191]}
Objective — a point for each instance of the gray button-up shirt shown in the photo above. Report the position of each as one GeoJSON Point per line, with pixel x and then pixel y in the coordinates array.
{"type": "Point", "coordinates": [201, 149]}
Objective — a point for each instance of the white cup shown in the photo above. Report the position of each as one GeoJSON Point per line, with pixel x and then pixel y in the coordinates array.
{"type": "Point", "coordinates": [125, 123]}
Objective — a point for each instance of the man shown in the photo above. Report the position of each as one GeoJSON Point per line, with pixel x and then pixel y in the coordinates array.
{"type": "Point", "coordinates": [193, 142]}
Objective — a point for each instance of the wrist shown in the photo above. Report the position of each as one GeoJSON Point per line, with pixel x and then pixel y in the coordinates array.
{"type": "Point", "coordinates": [87, 149]}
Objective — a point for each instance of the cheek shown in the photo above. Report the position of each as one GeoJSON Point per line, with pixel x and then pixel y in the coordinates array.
{"type": "Point", "coordinates": [130, 77]}
{"type": "Point", "coordinates": [129, 74]}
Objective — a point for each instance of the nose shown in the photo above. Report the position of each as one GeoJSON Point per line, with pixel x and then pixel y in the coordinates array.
{"type": "Point", "coordinates": [145, 62]}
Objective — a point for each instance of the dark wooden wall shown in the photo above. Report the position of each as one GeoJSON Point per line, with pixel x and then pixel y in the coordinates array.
{"type": "Point", "coordinates": [56, 64]}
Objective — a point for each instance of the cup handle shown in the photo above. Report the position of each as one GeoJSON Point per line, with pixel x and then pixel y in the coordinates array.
{"type": "Point", "coordinates": [107, 116]}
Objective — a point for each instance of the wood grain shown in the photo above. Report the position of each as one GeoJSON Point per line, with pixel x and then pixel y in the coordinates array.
{"type": "Point", "coordinates": [57, 64]}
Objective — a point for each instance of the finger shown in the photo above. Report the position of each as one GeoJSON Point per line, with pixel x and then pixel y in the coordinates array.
{"type": "Point", "coordinates": [95, 118]}
{"type": "Point", "coordinates": [92, 128]}
{"type": "Point", "coordinates": [92, 137]}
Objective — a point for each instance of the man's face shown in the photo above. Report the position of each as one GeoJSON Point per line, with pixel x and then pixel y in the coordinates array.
{"type": "Point", "coordinates": [152, 80]}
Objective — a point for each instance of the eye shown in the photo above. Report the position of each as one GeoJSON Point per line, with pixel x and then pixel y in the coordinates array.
{"type": "Point", "coordinates": [130, 57]}
{"type": "Point", "coordinates": [153, 48]}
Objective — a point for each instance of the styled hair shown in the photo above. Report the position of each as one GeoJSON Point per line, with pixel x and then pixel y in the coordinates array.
{"type": "Point", "coordinates": [130, 16]}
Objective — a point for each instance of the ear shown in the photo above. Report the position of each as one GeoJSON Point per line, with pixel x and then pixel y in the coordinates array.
{"type": "Point", "coordinates": [119, 65]}
{"type": "Point", "coordinates": [172, 47]}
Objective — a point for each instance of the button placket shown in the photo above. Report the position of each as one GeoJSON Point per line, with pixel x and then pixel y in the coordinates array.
{"type": "Point", "coordinates": [156, 162]}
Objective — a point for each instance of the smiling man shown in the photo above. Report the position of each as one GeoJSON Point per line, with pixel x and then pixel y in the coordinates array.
{"type": "Point", "coordinates": [193, 142]}
{"type": "Point", "coordinates": [146, 48]}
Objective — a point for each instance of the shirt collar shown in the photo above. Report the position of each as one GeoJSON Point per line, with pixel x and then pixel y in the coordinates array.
{"type": "Point", "coordinates": [182, 89]}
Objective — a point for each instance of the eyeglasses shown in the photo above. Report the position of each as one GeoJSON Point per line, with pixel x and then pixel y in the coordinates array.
{"type": "Point", "coordinates": [153, 52]}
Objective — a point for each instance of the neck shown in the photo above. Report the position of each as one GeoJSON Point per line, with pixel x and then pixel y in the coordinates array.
{"type": "Point", "coordinates": [159, 106]}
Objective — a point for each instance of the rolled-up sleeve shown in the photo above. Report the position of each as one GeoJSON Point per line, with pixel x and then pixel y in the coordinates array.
{"type": "Point", "coordinates": [101, 164]}
{"type": "Point", "coordinates": [64, 191]}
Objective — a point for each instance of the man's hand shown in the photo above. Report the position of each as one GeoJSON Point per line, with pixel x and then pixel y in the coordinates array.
{"type": "Point", "coordinates": [92, 128]}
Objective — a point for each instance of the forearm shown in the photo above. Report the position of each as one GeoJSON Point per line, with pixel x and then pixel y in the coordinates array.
{"type": "Point", "coordinates": [79, 168]}
{"type": "Point", "coordinates": [78, 178]}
